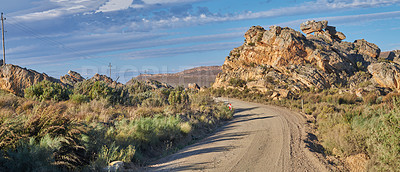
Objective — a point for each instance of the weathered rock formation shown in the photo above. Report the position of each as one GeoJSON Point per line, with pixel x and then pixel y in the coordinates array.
{"type": "Point", "coordinates": [193, 86]}
{"type": "Point", "coordinates": [386, 74]}
{"type": "Point", "coordinates": [15, 79]}
{"type": "Point", "coordinates": [71, 78]}
{"type": "Point", "coordinates": [284, 59]}
{"type": "Point", "coordinates": [393, 56]}
{"type": "Point", "coordinates": [104, 78]}
{"type": "Point", "coordinates": [322, 30]}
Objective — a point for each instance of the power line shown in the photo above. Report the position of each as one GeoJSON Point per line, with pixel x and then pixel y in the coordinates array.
{"type": "Point", "coordinates": [52, 42]}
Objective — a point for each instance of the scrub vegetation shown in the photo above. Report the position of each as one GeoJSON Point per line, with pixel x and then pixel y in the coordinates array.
{"type": "Point", "coordinates": [84, 128]}
{"type": "Point", "coordinates": [346, 125]}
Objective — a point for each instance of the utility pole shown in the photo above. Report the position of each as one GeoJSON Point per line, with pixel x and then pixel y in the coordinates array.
{"type": "Point", "coordinates": [4, 47]}
{"type": "Point", "coordinates": [109, 65]}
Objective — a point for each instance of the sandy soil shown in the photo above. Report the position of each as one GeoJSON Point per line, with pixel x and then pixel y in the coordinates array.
{"type": "Point", "coordinates": [259, 138]}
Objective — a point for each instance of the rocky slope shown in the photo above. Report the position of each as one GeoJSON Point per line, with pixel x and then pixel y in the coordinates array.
{"type": "Point", "coordinates": [15, 79]}
{"type": "Point", "coordinates": [283, 61]}
{"type": "Point", "coordinates": [202, 76]}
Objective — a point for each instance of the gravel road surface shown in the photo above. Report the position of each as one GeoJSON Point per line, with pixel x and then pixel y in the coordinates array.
{"type": "Point", "coordinates": [259, 138]}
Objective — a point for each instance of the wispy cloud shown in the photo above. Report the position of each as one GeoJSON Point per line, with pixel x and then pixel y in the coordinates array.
{"type": "Point", "coordinates": [20, 49]}
{"type": "Point", "coordinates": [115, 5]}
{"type": "Point", "coordinates": [59, 8]}
{"type": "Point", "coordinates": [167, 52]}
{"type": "Point", "coordinates": [190, 19]}
{"type": "Point", "coordinates": [86, 48]}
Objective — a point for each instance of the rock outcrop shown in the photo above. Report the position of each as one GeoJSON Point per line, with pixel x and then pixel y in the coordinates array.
{"type": "Point", "coordinates": [15, 79]}
{"type": "Point", "coordinates": [104, 78]}
{"type": "Point", "coordinates": [284, 59]}
{"type": "Point", "coordinates": [393, 56]}
{"type": "Point", "coordinates": [71, 78]}
{"type": "Point", "coordinates": [312, 26]}
{"type": "Point", "coordinates": [193, 86]}
{"type": "Point", "coordinates": [322, 30]}
{"type": "Point", "coordinates": [386, 74]}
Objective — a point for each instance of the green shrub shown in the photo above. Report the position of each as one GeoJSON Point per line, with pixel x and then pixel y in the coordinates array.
{"type": "Point", "coordinates": [47, 90]}
{"type": "Point", "coordinates": [115, 153]}
{"type": "Point", "coordinates": [94, 90]}
{"type": "Point", "coordinates": [223, 112]}
{"type": "Point", "coordinates": [178, 97]}
{"type": "Point", "coordinates": [146, 132]}
{"type": "Point", "coordinates": [186, 127]}
{"type": "Point", "coordinates": [79, 98]}
{"type": "Point", "coordinates": [33, 156]}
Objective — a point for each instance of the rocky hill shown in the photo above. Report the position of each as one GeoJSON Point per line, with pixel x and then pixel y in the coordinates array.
{"type": "Point", "coordinates": [283, 61]}
{"type": "Point", "coordinates": [15, 79]}
{"type": "Point", "coordinates": [202, 76]}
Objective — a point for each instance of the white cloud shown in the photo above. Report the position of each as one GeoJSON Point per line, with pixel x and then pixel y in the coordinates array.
{"type": "Point", "coordinates": [115, 5]}
{"type": "Point", "coordinates": [62, 8]}
{"type": "Point", "coordinates": [20, 49]}
{"type": "Point", "coordinates": [153, 2]}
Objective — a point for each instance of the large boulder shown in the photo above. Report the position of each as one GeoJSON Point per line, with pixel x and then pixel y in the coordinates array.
{"type": "Point", "coordinates": [391, 56]}
{"type": "Point", "coordinates": [16, 79]}
{"type": "Point", "coordinates": [322, 30]}
{"type": "Point", "coordinates": [104, 78]}
{"type": "Point", "coordinates": [366, 48]}
{"type": "Point", "coordinates": [386, 74]}
{"type": "Point", "coordinates": [313, 26]}
{"type": "Point", "coordinates": [193, 86]}
{"type": "Point", "coordinates": [71, 78]}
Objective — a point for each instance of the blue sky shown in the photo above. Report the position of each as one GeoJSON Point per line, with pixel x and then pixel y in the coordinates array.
{"type": "Point", "coordinates": [158, 36]}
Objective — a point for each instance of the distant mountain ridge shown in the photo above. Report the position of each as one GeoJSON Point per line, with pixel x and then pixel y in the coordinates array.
{"type": "Point", "coordinates": [203, 76]}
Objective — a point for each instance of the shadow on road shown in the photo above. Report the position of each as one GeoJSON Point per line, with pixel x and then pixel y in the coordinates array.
{"type": "Point", "coordinates": [191, 167]}
{"type": "Point", "coordinates": [250, 119]}
{"type": "Point", "coordinates": [244, 109]}
{"type": "Point", "coordinates": [216, 137]}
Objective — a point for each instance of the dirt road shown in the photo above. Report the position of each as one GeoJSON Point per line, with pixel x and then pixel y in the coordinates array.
{"type": "Point", "coordinates": [259, 138]}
